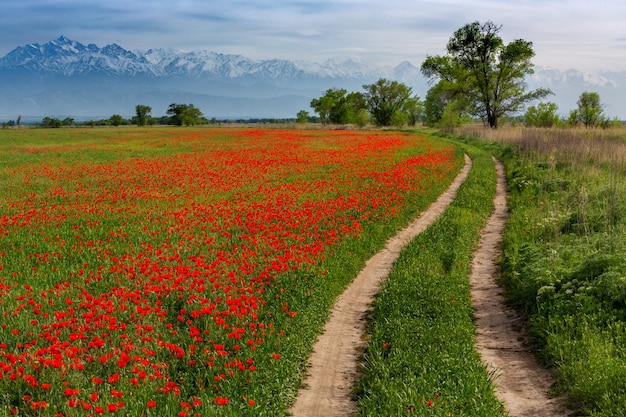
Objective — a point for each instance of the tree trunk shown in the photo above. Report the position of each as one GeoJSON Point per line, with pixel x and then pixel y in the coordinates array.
{"type": "Point", "coordinates": [492, 120]}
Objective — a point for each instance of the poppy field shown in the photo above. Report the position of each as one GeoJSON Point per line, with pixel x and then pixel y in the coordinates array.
{"type": "Point", "coordinates": [182, 272]}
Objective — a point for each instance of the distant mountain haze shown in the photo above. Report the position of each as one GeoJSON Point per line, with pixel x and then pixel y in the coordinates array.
{"type": "Point", "coordinates": [64, 78]}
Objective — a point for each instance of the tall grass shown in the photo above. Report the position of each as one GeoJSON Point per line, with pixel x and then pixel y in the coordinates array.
{"type": "Point", "coordinates": [570, 146]}
{"type": "Point", "coordinates": [564, 262]}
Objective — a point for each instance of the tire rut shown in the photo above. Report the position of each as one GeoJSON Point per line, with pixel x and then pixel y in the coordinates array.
{"type": "Point", "coordinates": [521, 384]}
{"type": "Point", "coordinates": [334, 363]}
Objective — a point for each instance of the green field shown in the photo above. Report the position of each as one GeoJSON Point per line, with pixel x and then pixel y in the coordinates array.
{"type": "Point", "coordinates": [171, 271]}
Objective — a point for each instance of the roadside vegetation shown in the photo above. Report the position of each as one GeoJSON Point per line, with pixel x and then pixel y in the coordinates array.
{"type": "Point", "coordinates": [563, 264]}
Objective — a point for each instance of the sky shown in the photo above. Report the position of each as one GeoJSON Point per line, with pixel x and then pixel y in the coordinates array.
{"type": "Point", "coordinates": [580, 34]}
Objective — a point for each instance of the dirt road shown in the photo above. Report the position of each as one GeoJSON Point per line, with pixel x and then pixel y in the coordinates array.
{"type": "Point", "coordinates": [521, 385]}
{"type": "Point", "coordinates": [334, 362]}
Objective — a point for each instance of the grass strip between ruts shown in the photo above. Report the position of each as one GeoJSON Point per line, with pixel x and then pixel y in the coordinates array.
{"type": "Point", "coordinates": [421, 358]}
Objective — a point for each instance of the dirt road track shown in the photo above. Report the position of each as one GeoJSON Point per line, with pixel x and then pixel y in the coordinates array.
{"type": "Point", "coordinates": [333, 364]}
{"type": "Point", "coordinates": [521, 384]}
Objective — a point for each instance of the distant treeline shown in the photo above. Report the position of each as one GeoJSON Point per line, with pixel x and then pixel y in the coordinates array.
{"type": "Point", "coordinates": [177, 115]}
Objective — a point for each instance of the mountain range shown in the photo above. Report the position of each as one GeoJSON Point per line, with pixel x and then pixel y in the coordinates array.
{"type": "Point", "coordinates": [65, 78]}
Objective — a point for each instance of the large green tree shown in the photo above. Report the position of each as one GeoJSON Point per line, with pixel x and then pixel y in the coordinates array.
{"type": "Point", "coordinates": [590, 112]}
{"type": "Point", "coordinates": [143, 114]}
{"type": "Point", "coordinates": [337, 106]}
{"type": "Point", "coordinates": [384, 98]}
{"type": "Point", "coordinates": [184, 114]}
{"type": "Point", "coordinates": [414, 109]}
{"type": "Point", "coordinates": [116, 120]}
{"type": "Point", "coordinates": [322, 106]}
{"type": "Point", "coordinates": [488, 73]}
{"type": "Point", "coordinates": [543, 115]}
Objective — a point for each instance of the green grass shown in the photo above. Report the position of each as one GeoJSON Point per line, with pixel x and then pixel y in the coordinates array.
{"type": "Point", "coordinates": [421, 359]}
{"type": "Point", "coordinates": [564, 263]}
{"type": "Point", "coordinates": [142, 218]}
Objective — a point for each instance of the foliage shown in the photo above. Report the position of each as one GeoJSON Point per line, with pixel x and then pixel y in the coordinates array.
{"type": "Point", "coordinates": [573, 118]}
{"type": "Point", "coordinates": [487, 72]}
{"type": "Point", "coordinates": [589, 111]}
{"type": "Point", "coordinates": [414, 110]}
{"type": "Point", "coordinates": [453, 116]}
{"type": "Point", "coordinates": [444, 109]}
{"type": "Point", "coordinates": [384, 98]}
{"type": "Point", "coordinates": [362, 117]}
{"type": "Point", "coordinates": [388, 103]}
{"type": "Point", "coordinates": [544, 115]}
{"type": "Point", "coordinates": [51, 122]}
{"type": "Point", "coordinates": [302, 117]}
{"type": "Point", "coordinates": [398, 119]}
{"type": "Point", "coordinates": [143, 114]}
{"type": "Point", "coordinates": [337, 106]}
{"type": "Point", "coordinates": [323, 105]}
{"type": "Point", "coordinates": [435, 104]}
{"type": "Point", "coordinates": [117, 120]}
{"type": "Point", "coordinates": [185, 114]}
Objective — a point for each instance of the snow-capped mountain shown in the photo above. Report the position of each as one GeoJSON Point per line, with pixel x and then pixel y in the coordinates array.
{"type": "Point", "coordinates": [67, 57]}
{"type": "Point", "coordinates": [64, 77]}
{"type": "Point", "coordinates": [67, 78]}
{"type": "Point", "coordinates": [570, 84]}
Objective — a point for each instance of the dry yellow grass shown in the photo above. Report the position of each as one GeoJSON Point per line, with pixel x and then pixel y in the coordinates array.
{"type": "Point", "coordinates": [575, 146]}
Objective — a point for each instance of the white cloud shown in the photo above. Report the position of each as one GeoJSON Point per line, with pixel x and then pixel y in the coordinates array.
{"type": "Point", "coordinates": [579, 34]}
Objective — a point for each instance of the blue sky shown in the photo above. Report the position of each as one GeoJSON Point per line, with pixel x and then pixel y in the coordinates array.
{"type": "Point", "coordinates": [581, 34]}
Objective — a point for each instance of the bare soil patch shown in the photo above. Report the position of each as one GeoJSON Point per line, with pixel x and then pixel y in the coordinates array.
{"type": "Point", "coordinates": [334, 362]}
{"type": "Point", "coordinates": [521, 384]}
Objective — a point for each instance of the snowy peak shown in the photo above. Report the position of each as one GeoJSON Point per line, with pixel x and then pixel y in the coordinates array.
{"type": "Point", "coordinates": [67, 57]}
{"type": "Point", "coordinates": [554, 77]}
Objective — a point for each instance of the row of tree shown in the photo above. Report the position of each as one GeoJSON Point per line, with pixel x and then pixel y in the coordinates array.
{"type": "Point", "coordinates": [384, 102]}
{"type": "Point", "coordinates": [480, 77]}
{"type": "Point", "coordinates": [177, 114]}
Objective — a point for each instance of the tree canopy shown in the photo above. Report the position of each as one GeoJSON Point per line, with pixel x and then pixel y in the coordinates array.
{"type": "Point", "coordinates": [590, 112]}
{"type": "Point", "coordinates": [143, 114]}
{"type": "Point", "coordinates": [387, 102]}
{"type": "Point", "coordinates": [338, 106]}
{"type": "Point", "coordinates": [543, 115]}
{"type": "Point", "coordinates": [485, 71]}
{"type": "Point", "coordinates": [384, 99]}
{"type": "Point", "coordinates": [184, 114]}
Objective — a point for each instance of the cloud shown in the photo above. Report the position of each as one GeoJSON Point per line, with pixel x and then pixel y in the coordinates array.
{"type": "Point", "coordinates": [565, 34]}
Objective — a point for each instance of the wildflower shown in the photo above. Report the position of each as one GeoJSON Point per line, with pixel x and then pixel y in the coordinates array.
{"type": "Point", "coordinates": [221, 400]}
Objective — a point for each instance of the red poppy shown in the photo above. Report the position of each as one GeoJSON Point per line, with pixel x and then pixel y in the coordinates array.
{"type": "Point", "coordinates": [221, 401]}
